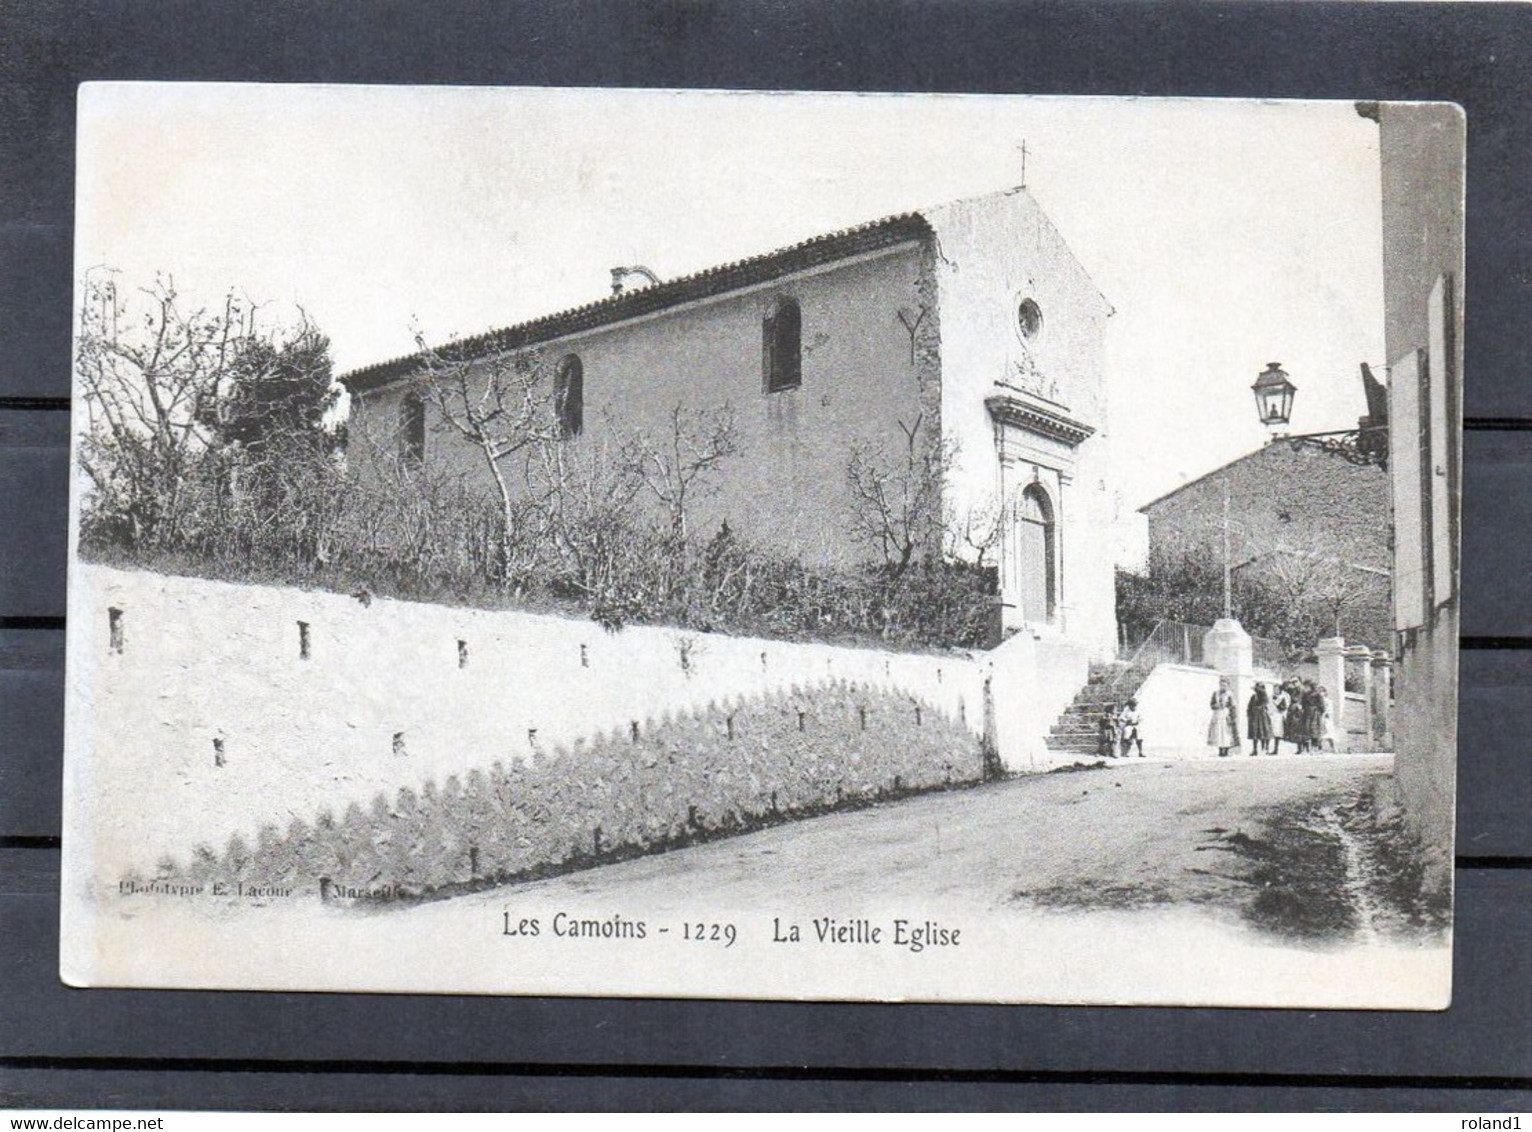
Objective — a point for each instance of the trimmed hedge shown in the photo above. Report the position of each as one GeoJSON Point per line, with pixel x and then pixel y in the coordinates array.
{"type": "Point", "coordinates": [726, 769]}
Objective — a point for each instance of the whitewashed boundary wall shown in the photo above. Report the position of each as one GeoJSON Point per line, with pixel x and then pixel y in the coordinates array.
{"type": "Point", "coordinates": [1033, 680]}
{"type": "Point", "coordinates": [1174, 704]}
{"type": "Point", "coordinates": [204, 717]}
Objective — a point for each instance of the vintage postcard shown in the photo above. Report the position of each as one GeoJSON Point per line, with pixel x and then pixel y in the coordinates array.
{"type": "Point", "coordinates": [796, 546]}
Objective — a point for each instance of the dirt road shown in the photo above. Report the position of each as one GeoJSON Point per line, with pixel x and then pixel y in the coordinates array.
{"type": "Point", "coordinates": [1252, 881]}
{"type": "Point", "coordinates": [1281, 841]}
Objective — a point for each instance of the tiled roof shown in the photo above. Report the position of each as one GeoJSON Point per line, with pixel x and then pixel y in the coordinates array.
{"type": "Point", "coordinates": [1276, 446]}
{"type": "Point", "coordinates": [848, 242]}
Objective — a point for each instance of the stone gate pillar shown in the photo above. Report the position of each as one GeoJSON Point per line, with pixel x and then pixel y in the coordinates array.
{"type": "Point", "coordinates": [1331, 652]}
{"type": "Point", "coordinates": [1361, 656]}
{"type": "Point", "coordinates": [1228, 650]}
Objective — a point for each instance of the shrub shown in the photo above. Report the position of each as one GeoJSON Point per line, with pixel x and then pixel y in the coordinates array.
{"type": "Point", "coordinates": [708, 773]}
{"type": "Point", "coordinates": [299, 517]}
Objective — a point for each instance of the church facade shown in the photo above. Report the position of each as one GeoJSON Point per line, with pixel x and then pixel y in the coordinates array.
{"type": "Point", "coordinates": [970, 325]}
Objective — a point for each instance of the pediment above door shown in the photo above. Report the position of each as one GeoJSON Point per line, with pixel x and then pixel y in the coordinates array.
{"type": "Point", "coordinates": [1037, 415]}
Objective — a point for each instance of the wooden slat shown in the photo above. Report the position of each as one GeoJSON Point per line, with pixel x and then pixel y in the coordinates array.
{"type": "Point", "coordinates": [1494, 788]}
{"type": "Point", "coordinates": [1497, 529]}
{"type": "Point", "coordinates": [36, 293]}
{"type": "Point", "coordinates": [1493, 996]}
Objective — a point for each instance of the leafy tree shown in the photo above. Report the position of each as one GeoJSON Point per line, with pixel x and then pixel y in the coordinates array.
{"type": "Point", "coordinates": [1320, 579]}
{"type": "Point", "coordinates": [278, 392]}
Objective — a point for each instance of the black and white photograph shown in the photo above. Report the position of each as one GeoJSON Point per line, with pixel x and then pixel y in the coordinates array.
{"type": "Point", "coordinates": [900, 547]}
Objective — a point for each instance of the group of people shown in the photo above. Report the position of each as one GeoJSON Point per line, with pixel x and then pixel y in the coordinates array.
{"type": "Point", "coordinates": [1121, 731]}
{"type": "Point", "coordinates": [1298, 711]}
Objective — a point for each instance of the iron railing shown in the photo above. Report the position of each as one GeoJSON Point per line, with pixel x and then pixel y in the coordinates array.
{"type": "Point", "coordinates": [1180, 642]}
{"type": "Point", "coordinates": [1274, 656]}
{"type": "Point", "coordinates": [1169, 642]}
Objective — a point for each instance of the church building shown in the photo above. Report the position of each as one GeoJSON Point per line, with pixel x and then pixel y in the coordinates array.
{"type": "Point", "coordinates": [970, 325]}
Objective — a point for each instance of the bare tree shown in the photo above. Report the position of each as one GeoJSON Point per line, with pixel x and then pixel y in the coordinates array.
{"type": "Point", "coordinates": [679, 467]}
{"type": "Point", "coordinates": [974, 536]}
{"type": "Point", "coordinates": [582, 496]}
{"type": "Point", "coordinates": [499, 406]}
{"type": "Point", "coordinates": [172, 395]}
{"type": "Point", "coordinates": [416, 523]}
{"type": "Point", "coordinates": [1319, 576]}
{"type": "Point", "coordinates": [147, 381]}
{"type": "Point", "coordinates": [897, 502]}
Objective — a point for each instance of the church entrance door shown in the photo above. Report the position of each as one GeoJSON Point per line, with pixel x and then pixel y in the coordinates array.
{"type": "Point", "coordinates": [1036, 568]}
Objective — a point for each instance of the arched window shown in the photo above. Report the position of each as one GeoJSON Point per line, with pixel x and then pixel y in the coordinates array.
{"type": "Point", "coordinates": [412, 429]}
{"type": "Point", "coordinates": [569, 396]}
{"type": "Point", "coordinates": [782, 353]}
{"type": "Point", "coordinates": [1035, 555]}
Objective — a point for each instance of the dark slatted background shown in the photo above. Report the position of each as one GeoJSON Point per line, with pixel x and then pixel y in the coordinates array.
{"type": "Point", "coordinates": [76, 1049]}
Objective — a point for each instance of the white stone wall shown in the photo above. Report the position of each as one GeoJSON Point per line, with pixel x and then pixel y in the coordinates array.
{"type": "Point", "coordinates": [205, 660]}
{"type": "Point", "coordinates": [1033, 681]}
{"type": "Point", "coordinates": [1173, 703]}
{"type": "Point", "coordinates": [1425, 738]}
{"type": "Point", "coordinates": [1421, 152]}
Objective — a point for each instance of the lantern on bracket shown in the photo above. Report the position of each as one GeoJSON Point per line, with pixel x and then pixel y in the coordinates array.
{"type": "Point", "coordinates": [1274, 397]}
{"type": "Point", "coordinates": [1367, 444]}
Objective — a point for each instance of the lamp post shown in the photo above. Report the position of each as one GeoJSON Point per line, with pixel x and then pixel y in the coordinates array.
{"type": "Point", "coordinates": [1274, 392]}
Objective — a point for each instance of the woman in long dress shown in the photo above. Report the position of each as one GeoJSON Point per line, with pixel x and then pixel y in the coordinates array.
{"type": "Point", "coordinates": [1223, 730]}
{"type": "Point", "coordinates": [1276, 705]}
{"type": "Point", "coordinates": [1258, 720]}
{"type": "Point", "coordinates": [1313, 717]}
{"type": "Point", "coordinates": [1294, 726]}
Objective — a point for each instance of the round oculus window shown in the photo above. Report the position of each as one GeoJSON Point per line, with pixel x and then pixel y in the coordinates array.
{"type": "Point", "coordinates": [1029, 319]}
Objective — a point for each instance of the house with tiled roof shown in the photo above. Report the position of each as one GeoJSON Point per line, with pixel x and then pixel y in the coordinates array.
{"type": "Point", "coordinates": [970, 324]}
{"type": "Point", "coordinates": [1305, 520]}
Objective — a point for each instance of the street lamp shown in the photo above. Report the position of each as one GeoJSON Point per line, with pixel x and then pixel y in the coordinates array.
{"type": "Point", "coordinates": [1366, 444]}
{"type": "Point", "coordinates": [1274, 396]}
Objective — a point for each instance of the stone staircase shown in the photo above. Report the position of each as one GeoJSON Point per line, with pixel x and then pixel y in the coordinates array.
{"type": "Point", "coordinates": [1078, 730]}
